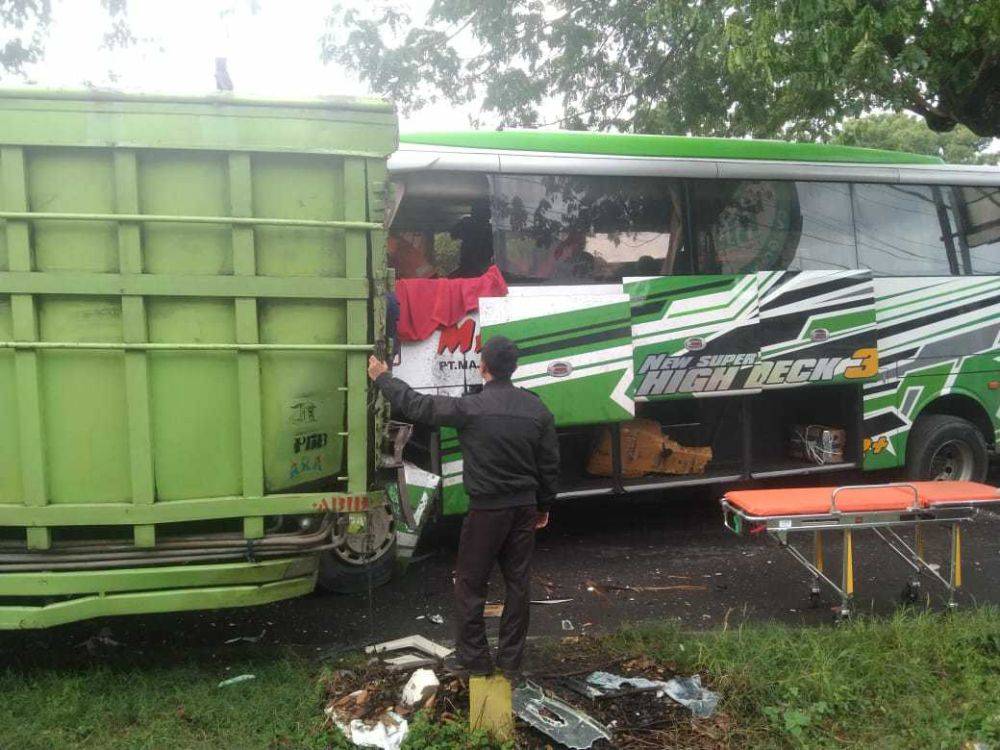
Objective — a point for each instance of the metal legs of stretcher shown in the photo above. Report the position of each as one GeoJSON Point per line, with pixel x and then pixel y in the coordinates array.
{"type": "Point", "coordinates": [912, 555]}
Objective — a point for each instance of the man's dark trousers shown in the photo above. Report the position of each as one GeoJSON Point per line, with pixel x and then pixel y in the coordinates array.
{"type": "Point", "coordinates": [506, 536]}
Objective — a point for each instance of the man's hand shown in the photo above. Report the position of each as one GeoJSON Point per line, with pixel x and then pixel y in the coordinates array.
{"type": "Point", "coordinates": [542, 520]}
{"type": "Point", "coordinates": [376, 367]}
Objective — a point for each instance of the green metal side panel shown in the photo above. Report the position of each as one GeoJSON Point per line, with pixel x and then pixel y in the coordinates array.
{"type": "Point", "coordinates": [185, 310]}
{"type": "Point", "coordinates": [454, 498]}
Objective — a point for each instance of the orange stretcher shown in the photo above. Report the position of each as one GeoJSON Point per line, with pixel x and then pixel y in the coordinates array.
{"type": "Point", "coordinates": [882, 508]}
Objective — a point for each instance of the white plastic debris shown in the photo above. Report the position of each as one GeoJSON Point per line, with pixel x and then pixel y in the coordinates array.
{"type": "Point", "coordinates": [567, 625]}
{"type": "Point", "coordinates": [237, 680]}
{"type": "Point", "coordinates": [420, 688]}
{"type": "Point", "coordinates": [436, 619]}
{"type": "Point", "coordinates": [387, 732]}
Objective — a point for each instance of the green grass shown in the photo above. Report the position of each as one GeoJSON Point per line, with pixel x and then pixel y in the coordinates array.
{"type": "Point", "coordinates": [915, 681]}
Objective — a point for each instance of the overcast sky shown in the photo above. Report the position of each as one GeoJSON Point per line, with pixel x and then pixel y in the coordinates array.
{"type": "Point", "coordinates": [273, 52]}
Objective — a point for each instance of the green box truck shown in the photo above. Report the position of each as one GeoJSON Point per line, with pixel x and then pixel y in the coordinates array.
{"type": "Point", "coordinates": [189, 291]}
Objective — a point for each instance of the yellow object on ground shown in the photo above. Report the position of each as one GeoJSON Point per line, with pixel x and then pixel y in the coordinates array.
{"type": "Point", "coordinates": [490, 706]}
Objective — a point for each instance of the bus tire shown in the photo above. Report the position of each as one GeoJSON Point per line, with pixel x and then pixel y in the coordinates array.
{"type": "Point", "coordinates": [338, 577]}
{"type": "Point", "coordinates": [943, 447]}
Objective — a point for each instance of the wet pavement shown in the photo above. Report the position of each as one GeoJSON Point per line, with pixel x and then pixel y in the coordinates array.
{"type": "Point", "coordinates": [618, 561]}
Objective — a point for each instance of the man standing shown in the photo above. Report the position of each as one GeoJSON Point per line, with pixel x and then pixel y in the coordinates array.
{"type": "Point", "coordinates": [510, 466]}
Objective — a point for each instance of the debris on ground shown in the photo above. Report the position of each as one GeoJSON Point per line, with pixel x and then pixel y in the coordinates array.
{"type": "Point", "coordinates": [247, 638]}
{"type": "Point", "coordinates": [493, 610]}
{"type": "Point", "coordinates": [237, 680]}
{"type": "Point", "coordinates": [557, 719]}
{"type": "Point", "coordinates": [550, 601]}
{"type": "Point", "coordinates": [687, 691]}
{"type": "Point", "coordinates": [605, 588]}
{"type": "Point", "coordinates": [411, 652]}
{"type": "Point", "coordinates": [420, 688]}
{"type": "Point", "coordinates": [635, 719]}
{"type": "Point", "coordinates": [436, 619]}
{"type": "Point", "coordinates": [103, 638]}
{"type": "Point", "coordinates": [567, 625]}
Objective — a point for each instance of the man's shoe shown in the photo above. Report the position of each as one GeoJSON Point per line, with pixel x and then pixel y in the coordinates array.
{"type": "Point", "coordinates": [457, 668]}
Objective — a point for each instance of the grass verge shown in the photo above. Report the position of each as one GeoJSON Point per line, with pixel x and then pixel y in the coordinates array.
{"type": "Point", "coordinates": [914, 681]}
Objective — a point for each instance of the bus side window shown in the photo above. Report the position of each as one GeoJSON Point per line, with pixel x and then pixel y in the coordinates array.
{"type": "Point", "coordinates": [906, 230]}
{"type": "Point", "coordinates": [745, 226]}
{"type": "Point", "coordinates": [979, 226]}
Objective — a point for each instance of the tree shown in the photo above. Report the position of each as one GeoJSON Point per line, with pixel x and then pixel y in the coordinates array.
{"type": "Point", "coordinates": [24, 26]}
{"type": "Point", "coordinates": [903, 132]}
{"type": "Point", "coordinates": [742, 67]}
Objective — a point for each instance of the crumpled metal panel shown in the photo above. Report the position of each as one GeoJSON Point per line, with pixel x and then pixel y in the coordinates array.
{"type": "Point", "coordinates": [560, 721]}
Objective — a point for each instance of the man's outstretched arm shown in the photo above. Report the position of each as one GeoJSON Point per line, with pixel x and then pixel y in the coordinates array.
{"type": "Point", "coordinates": [416, 407]}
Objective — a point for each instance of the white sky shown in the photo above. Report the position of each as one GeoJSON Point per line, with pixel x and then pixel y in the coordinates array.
{"type": "Point", "coordinates": [274, 52]}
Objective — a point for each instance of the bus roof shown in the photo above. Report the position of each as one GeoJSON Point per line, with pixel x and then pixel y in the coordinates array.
{"type": "Point", "coordinates": [675, 146]}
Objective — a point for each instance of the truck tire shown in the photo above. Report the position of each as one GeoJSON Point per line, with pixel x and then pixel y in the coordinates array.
{"type": "Point", "coordinates": [943, 447]}
{"type": "Point", "coordinates": [363, 551]}
{"type": "Point", "coordinates": [338, 577]}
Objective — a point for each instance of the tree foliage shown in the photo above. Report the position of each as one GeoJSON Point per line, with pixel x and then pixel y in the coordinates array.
{"type": "Point", "coordinates": [903, 132]}
{"type": "Point", "coordinates": [24, 27]}
{"type": "Point", "coordinates": [743, 67]}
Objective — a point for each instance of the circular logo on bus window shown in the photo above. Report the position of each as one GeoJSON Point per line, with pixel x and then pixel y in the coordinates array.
{"type": "Point", "coordinates": [694, 344]}
{"type": "Point", "coordinates": [559, 369]}
{"type": "Point", "coordinates": [820, 334]}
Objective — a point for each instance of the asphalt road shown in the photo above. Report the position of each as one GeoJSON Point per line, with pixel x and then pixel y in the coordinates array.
{"type": "Point", "coordinates": [617, 561]}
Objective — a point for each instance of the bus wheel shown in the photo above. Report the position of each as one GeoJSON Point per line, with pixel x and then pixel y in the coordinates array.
{"type": "Point", "coordinates": [943, 447]}
{"type": "Point", "coordinates": [363, 553]}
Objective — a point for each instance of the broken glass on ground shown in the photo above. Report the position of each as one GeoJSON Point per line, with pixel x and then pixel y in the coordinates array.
{"type": "Point", "coordinates": [688, 691]}
{"type": "Point", "coordinates": [556, 719]}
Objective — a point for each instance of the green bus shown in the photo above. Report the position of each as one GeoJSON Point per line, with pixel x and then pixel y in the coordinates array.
{"type": "Point", "coordinates": [771, 309]}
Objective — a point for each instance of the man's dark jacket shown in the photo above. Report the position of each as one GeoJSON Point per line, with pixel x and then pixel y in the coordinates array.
{"type": "Point", "coordinates": [508, 437]}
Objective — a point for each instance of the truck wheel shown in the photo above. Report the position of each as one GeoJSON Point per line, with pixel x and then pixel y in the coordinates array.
{"type": "Point", "coordinates": [943, 447]}
{"type": "Point", "coordinates": [362, 555]}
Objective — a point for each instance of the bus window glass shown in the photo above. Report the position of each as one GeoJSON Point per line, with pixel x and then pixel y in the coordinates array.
{"type": "Point", "coordinates": [744, 226]}
{"type": "Point", "coordinates": [585, 230]}
{"type": "Point", "coordinates": [905, 230]}
{"type": "Point", "coordinates": [979, 226]}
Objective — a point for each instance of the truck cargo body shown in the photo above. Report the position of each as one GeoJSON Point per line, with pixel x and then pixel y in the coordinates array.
{"type": "Point", "coordinates": [186, 311]}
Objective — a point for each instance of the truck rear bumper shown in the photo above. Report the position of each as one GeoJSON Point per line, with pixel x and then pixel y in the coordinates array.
{"type": "Point", "coordinates": [57, 598]}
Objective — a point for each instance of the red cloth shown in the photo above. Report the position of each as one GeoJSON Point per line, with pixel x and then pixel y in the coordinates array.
{"type": "Point", "coordinates": [426, 304]}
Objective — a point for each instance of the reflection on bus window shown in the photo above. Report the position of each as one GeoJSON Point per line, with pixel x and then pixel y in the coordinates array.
{"type": "Point", "coordinates": [905, 230]}
{"type": "Point", "coordinates": [745, 226]}
{"type": "Point", "coordinates": [979, 221]}
{"type": "Point", "coordinates": [580, 230]}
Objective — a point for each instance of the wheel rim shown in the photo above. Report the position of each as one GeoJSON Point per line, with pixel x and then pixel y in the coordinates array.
{"type": "Point", "coordinates": [363, 538]}
{"type": "Point", "coordinates": [952, 461]}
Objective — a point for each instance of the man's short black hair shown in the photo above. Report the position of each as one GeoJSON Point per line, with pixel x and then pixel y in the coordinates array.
{"type": "Point", "coordinates": [500, 357]}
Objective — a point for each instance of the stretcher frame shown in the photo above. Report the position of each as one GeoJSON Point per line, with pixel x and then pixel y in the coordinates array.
{"type": "Point", "coordinates": [884, 525]}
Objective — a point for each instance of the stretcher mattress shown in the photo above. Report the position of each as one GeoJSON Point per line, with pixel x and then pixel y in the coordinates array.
{"type": "Point", "coordinates": [809, 501]}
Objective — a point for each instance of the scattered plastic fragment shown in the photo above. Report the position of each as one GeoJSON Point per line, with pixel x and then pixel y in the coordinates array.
{"type": "Point", "coordinates": [688, 691]}
{"type": "Point", "coordinates": [567, 625]}
{"type": "Point", "coordinates": [550, 601]}
{"type": "Point", "coordinates": [558, 720]}
{"type": "Point", "coordinates": [427, 652]}
{"type": "Point", "coordinates": [436, 619]}
{"type": "Point", "coordinates": [420, 688]}
{"type": "Point", "coordinates": [386, 732]}
{"type": "Point", "coordinates": [237, 680]}
{"type": "Point", "coordinates": [247, 638]}
{"type": "Point", "coordinates": [493, 610]}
